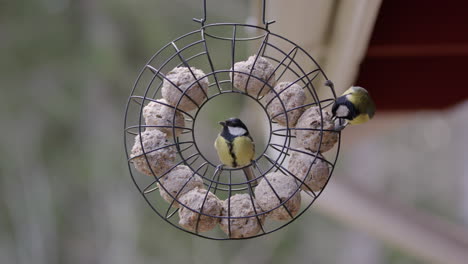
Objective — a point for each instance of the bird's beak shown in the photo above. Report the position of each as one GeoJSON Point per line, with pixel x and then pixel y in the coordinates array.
{"type": "Point", "coordinates": [222, 123]}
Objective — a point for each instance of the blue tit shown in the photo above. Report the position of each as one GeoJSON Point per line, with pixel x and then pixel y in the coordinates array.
{"type": "Point", "coordinates": [355, 106]}
{"type": "Point", "coordinates": [235, 146]}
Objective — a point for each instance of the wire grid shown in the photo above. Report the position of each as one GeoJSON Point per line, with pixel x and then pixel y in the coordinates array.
{"type": "Point", "coordinates": [202, 49]}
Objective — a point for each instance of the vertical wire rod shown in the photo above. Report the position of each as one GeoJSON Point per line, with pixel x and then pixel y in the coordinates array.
{"type": "Point", "coordinates": [264, 21]}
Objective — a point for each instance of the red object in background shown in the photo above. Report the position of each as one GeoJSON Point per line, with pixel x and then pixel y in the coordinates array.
{"type": "Point", "coordinates": [418, 55]}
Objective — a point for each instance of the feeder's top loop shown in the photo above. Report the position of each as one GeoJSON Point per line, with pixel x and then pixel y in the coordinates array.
{"type": "Point", "coordinates": [265, 22]}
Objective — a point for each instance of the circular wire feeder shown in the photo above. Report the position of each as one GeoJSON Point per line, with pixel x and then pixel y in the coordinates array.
{"type": "Point", "coordinates": [199, 196]}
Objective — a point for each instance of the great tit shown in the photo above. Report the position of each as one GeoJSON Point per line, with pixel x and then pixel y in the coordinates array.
{"type": "Point", "coordinates": [236, 147]}
{"type": "Point", "coordinates": [355, 106]}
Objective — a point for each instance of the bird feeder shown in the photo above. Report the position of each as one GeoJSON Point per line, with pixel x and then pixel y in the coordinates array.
{"type": "Point", "coordinates": [190, 191]}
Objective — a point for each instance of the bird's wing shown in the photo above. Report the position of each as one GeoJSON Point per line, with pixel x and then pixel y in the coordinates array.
{"type": "Point", "coordinates": [371, 108]}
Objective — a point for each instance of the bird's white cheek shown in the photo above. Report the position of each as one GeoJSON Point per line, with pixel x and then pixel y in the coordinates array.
{"type": "Point", "coordinates": [236, 131]}
{"type": "Point", "coordinates": [342, 111]}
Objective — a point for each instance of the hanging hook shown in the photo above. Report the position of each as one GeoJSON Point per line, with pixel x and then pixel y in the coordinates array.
{"type": "Point", "coordinates": [202, 20]}
{"type": "Point", "coordinates": [265, 22]}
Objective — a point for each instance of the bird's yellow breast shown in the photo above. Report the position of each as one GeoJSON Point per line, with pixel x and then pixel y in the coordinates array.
{"type": "Point", "coordinates": [244, 150]}
{"type": "Point", "coordinates": [238, 153]}
{"type": "Point", "coordinates": [223, 149]}
{"type": "Point", "coordinates": [362, 118]}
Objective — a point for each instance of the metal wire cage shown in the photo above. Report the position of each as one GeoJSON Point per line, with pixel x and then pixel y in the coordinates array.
{"type": "Point", "coordinates": [206, 49]}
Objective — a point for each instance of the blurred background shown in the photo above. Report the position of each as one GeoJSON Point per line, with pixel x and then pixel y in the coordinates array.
{"type": "Point", "coordinates": [399, 194]}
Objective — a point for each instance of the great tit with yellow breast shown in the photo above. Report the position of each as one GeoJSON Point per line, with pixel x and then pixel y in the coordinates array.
{"type": "Point", "coordinates": [355, 106]}
{"type": "Point", "coordinates": [235, 146]}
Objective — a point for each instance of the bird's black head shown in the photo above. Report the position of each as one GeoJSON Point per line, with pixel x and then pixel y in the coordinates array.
{"type": "Point", "coordinates": [235, 127]}
{"type": "Point", "coordinates": [343, 108]}
{"type": "Point", "coordinates": [235, 122]}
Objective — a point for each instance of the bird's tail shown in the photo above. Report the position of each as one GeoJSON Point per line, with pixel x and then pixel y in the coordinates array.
{"type": "Point", "coordinates": [250, 175]}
